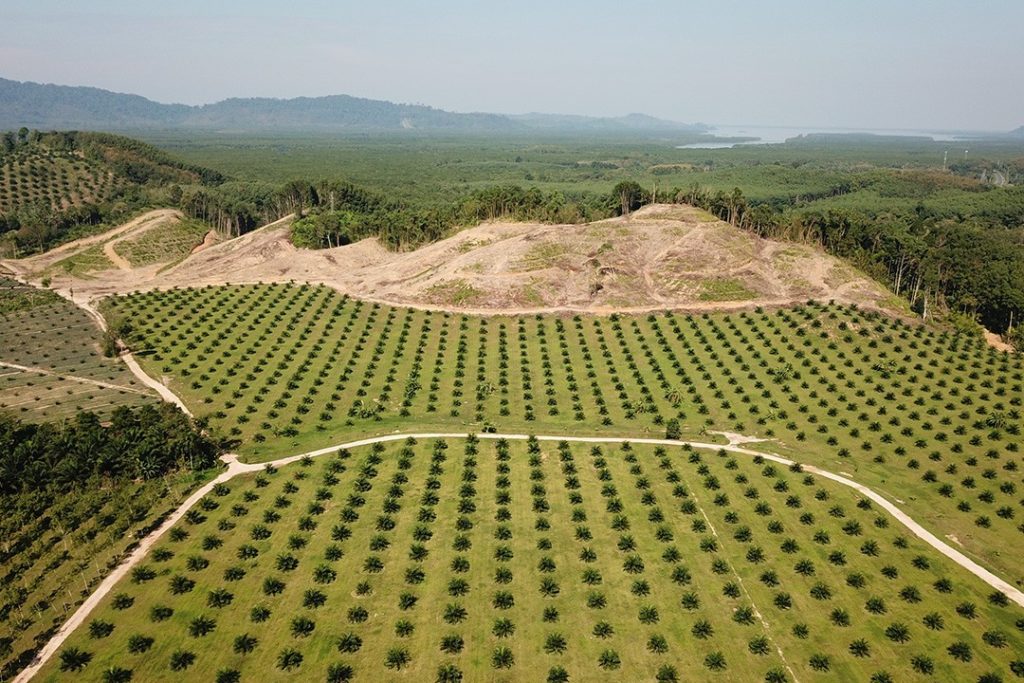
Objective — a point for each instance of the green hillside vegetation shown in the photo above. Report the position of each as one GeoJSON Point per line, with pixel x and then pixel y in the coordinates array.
{"type": "Point", "coordinates": [56, 186]}
{"type": "Point", "coordinates": [64, 349]}
{"type": "Point", "coordinates": [930, 418]}
{"type": "Point", "coordinates": [169, 244]}
{"type": "Point", "coordinates": [483, 560]}
{"type": "Point", "coordinates": [74, 497]}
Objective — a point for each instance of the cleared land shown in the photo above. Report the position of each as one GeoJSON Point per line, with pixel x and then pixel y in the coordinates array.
{"type": "Point", "coordinates": [513, 561]}
{"type": "Point", "coordinates": [663, 256]}
{"type": "Point", "coordinates": [50, 361]}
{"type": "Point", "coordinates": [932, 421]}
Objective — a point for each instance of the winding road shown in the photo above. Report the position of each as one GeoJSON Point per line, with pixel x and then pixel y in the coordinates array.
{"type": "Point", "coordinates": [235, 468]}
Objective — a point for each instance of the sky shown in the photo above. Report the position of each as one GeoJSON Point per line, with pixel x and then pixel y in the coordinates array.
{"type": "Point", "coordinates": [905, 64]}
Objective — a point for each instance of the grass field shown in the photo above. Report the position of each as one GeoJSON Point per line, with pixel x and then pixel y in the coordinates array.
{"type": "Point", "coordinates": [167, 244]}
{"type": "Point", "coordinates": [931, 420]}
{"type": "Point", "coordinates": [62, 346]}
{"type": "Point", "coordinates": [489, 560]}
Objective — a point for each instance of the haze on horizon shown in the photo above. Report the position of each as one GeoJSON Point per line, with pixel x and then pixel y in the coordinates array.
{"type": "Point", "coordinates": [939, 64]}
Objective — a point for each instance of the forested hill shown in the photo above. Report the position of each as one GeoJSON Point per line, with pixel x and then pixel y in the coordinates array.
{"type": "Point", "coordinates": [36, 105]}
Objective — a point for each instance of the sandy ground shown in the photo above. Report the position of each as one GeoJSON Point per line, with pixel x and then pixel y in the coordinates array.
{"type": "Point", "coordinates": [996, 342]}
{"type": "Point", "coordinates": [209, 239]}
{"type": "Point", "coordinates": [663, 256]}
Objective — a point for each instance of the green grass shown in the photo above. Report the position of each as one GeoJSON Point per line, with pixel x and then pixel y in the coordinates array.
{"type": "Point", "coordinates": [83, 264]}
{"type": "Point", "coordinates": [928, 419]}
{"type": "Point", "coordinates": [16, 297]}
{"type": "Point", "coordinates": [367, 544]}
{"type": "Point", "coordinates": [453, 293]}
{"type": "Point", "coordinates": [166, 244]}
{"type": "Point", "coordinates": [47, 332]}
{"type": "Point", "coordinates": [725, 289]}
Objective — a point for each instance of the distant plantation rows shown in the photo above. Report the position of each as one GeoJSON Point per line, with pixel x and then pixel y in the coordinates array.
{"type": "Point", "coordinates": [52, 179]}
{"type": "Point", "coordinates": [932, 419]}
{"type": "Point", "coordinates": [489, 560]}
{"type": "Point", "coordinates": [56, 186]}
{"type": "Point", "coordinates": [62, 346]}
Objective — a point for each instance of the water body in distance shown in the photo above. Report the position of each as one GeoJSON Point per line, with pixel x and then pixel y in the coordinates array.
{"type": "Point", "coordinates": [771, 135]}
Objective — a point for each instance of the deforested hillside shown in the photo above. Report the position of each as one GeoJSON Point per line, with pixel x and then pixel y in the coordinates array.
{"type": "Point", "coordinates": [662, 256]}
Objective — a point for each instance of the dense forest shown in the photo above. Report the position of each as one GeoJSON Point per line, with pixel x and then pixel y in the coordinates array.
{"type": "Point", "coordinates": [52, 458]}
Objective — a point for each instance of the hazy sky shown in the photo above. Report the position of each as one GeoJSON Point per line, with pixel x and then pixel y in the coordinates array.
{"type": "Point", "coordinates": [852, 63]}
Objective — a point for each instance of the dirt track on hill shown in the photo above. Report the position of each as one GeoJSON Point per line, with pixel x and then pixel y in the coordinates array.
{"type": "Point", "coordinates": [660, 257]}
{"type": "Point", "coordinates": [35, 265]}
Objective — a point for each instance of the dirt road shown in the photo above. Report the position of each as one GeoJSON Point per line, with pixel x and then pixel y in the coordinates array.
{"type": "Point", "coordinates": [235, 468]}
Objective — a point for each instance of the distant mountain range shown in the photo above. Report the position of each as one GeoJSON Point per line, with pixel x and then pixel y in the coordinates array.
{"type": "Point", "coordinates": [47, 106]}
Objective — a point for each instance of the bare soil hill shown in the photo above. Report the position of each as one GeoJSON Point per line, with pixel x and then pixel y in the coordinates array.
{"type": "Point", "coordinates": [662, 256]}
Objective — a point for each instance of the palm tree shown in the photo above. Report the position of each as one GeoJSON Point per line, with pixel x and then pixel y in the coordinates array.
{"type": "Point", "coordinates": [503, 628]}
{"type": "Point", "coordinates": [245, 644]}
{"type": "Point", "coordinates": [201, 626]}
{"type": "Point", "coordinates": [288, 659]}
{"type": "Point", "coordinates": [74, 659]}
{"type": "Point", "coordinates": [555, 643]}
{"type": "Point", "coordinates": [502, 658]}
{"type": "Point", "coordinates": [448, 673]}
{"type": "Point", "coordinates": [609, 660]}
{"type": "Point", "coordinates": [960, 651]}
{"type": "Point", "coordinates": [397, 658]}
{"type": "Point", "coordinates": [116, 674]}
{"type": "Point", "coordinates": [702, 629]}
{"type": "Point", "coordinates": [557, 674]}
{"type": "Point", "coordinates": [715, 661]}
{"type": "Point", "coordinates": [340, 673]}
{"type": "Point", "coordinates": [181, 660]}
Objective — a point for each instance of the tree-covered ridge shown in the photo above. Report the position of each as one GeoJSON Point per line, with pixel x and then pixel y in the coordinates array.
{"type": "Point", "coordinates": [49, 105]}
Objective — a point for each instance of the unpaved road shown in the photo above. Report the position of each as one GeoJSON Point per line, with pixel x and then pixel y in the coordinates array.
{"type": "Point", "coordinates": [40, 262]}
{"type": "Point", "coordinates": [235, 468]}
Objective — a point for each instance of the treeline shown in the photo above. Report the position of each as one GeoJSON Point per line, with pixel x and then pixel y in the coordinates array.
{"type": "Point", "coordinates": [53, 458]}
{"type": "Point", "coordinates": [968, 262]}
{"type": "Point", "coordinates": [340, 213]}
